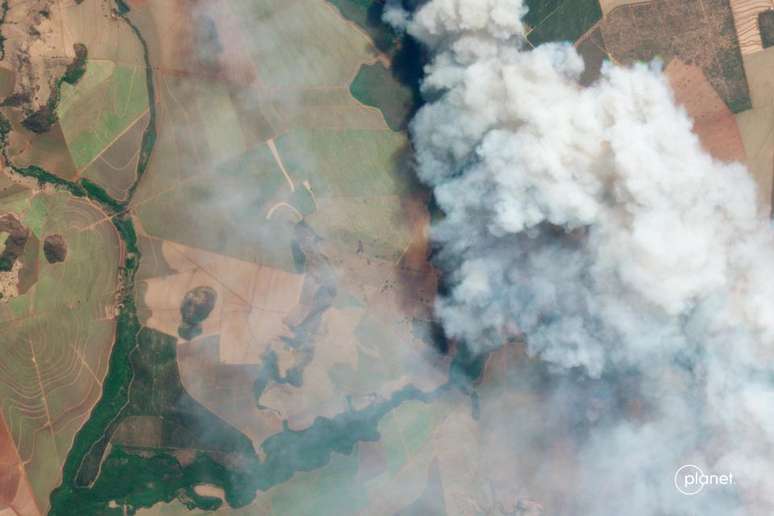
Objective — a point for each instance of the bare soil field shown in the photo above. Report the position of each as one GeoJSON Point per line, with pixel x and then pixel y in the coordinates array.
{"type": "Point", "coordinates": [714, 123]}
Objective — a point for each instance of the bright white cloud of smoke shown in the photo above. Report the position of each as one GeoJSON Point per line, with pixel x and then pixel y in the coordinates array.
{"type": "Point", "coordinates": [591, 221]}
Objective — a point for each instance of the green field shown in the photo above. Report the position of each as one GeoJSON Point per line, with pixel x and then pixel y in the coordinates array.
{"type": "Point", "coordinates": [560, 20]}
{"type": "Point", "coordinates": [376, 86]}
{"type": "Point", "coordinates": [348, 163]}
{"type": "Point", "coordinates": [100, 107]}
{"type": "Point", "coordinates": [368, 15]}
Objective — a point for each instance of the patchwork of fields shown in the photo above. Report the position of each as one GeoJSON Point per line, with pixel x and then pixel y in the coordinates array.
{"type": "Point", "coordinates": [259, 148]}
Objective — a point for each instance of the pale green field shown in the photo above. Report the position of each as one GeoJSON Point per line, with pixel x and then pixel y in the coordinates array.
{"type": "Point", "coordinates": [300, 44]}
{"type": "Point", "coordinates": [346, 163]}
{"type": "Point", "coordinates": [100, 107]}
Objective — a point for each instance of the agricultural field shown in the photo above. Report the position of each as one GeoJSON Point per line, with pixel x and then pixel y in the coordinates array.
{"type": "Point", "coordinates": [696, 32]}
{"type": "Point", "coordinates": [377, 86]}
{"type": "Point", "coordinates": [713, 122]}
{"type": "Point", "coordinates": [57, 332]}
{"type": "Point", "coordinates": [750, 27]}
{"type": "Point", "coordinates": [708, 50]}
{"type": "Point", "coordinates": [216, 283]}
{"type": "Point", "coordinates": [102, 118]}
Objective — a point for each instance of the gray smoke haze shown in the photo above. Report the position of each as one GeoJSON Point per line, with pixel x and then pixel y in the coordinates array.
{"type": "Point", "coordinates": [590, 223]}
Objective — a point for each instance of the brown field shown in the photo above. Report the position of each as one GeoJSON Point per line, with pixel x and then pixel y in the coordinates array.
{"type": "Point", "coordinates": [37, 61]}
{"type": "Point", "coordinates": [254, 302]}
{"type": "Point", "coordinates": [714, 123]}
{"type": "Point", "coordinates": [699, 32]}
{"type": "Point", "coordinates": [226, 390]}
{"type": "Point", "coordinates": [48, 151]}
{"type": "Point", "coordinates": [757, 124]}
{"type": "Point", "coordinates": [15, 493]}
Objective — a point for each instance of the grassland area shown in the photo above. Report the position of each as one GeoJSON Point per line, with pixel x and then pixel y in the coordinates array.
{"type": "Point", "coordinates": [300, 84]}
{"type": "Point", "coordinates": [57, 335]}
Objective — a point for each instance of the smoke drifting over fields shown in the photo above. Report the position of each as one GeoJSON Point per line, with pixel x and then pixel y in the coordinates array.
{"type": "Point", "coordinates": [590, 222]}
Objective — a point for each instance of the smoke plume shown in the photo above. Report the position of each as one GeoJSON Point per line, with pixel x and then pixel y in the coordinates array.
{"type": "Point", "coordinates": [590, 223]}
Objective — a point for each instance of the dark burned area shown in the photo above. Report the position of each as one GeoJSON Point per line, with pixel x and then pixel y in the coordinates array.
{"type": "Point", "coordinates": [322, 294]}
{"type": "Point", "coordinates": [14, 243]}
{"type": "Point", "coordinates": [766, 26]}
{"type": "Point", "coordinates": [55, 248]}
{"type": "Point", "coordinates": [196, 307]}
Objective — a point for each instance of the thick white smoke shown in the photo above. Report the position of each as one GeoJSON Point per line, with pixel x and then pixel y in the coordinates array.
{"type": "Point", "coordinates": [590, 221]}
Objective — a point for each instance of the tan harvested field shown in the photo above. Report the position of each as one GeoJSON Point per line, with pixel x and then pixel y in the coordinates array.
{"type": "Point", "coordinates": [108, 38]}
{"type": "Point", "coordinates": [608, 5]}
{"type": "Point", "coordinates": [757, 124]}
{"type": "Point", "coordinates": [746, 23]}
{"type": "Point", "coordinates": [458, 461]}
{"type": "Point", "coordinates": [714, 123]}
{"type": "Point", "coordinates": [209, 490]}
{"type": "Point", "coordinates": [253, 301]}
{"type": "Point", "coordinates": [374, 352]}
